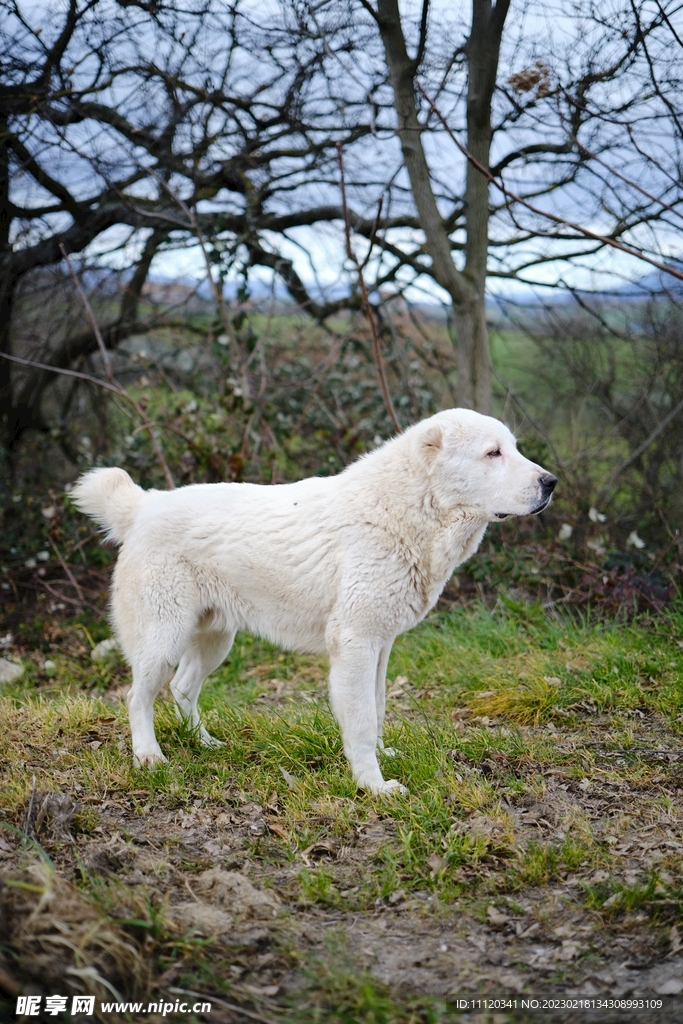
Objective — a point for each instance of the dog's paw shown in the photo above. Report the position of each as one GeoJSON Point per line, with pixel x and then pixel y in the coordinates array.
{"type": "Point", "coordinates": [207, 740]}
{"type": "Point", "coordinates": [391, 787]}
{"type": "Point", "coordinates": [390, 751]}
{"type": "Point", "coordinates": [149, 758]}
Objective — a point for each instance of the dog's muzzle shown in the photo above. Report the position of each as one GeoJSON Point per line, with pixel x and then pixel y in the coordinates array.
{"type": "Point", "coordinates": [547, 482]}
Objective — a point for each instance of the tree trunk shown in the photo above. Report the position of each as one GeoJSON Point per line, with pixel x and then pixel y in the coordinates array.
{"type": "Point", "coordinates": [7, 416]}
{"type": "Point", "coordinates": [472, 355]}
{"type": "Point", "coordinates": [466, 288]}
{"type": "Point", "coordinates": [473, 352]}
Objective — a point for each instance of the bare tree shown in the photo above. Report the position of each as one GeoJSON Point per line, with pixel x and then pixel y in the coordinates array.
{"type": "Point", "coordinates": [134, 128]}
{"type": "Point", "coordinates": [587, 127]}
{"type": "Point", "coordinates": [228, 135]}
{"type": "Point", "coordinates": [466, 287]}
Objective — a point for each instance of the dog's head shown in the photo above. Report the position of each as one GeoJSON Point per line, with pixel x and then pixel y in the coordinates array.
{"type": "Point", "coordinates": [472, 460]}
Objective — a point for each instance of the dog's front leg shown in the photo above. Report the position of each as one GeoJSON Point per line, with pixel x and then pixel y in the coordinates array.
{"type": "Point", "coordinates": [354, 664]}
{"type": "Point", "coordinates": [381, 697]}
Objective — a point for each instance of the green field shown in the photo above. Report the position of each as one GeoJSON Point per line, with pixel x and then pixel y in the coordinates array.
{"type": "Point", "coordinates": [539, 849]}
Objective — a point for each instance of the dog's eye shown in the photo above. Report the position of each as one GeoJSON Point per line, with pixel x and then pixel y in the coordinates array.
{"type": "Point", "coordinates": [495, 454]}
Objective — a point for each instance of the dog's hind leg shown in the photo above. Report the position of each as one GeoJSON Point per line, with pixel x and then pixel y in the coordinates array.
{"type": "Point", "coordinates": [154, 619]}
{"type": "Point", "coordinates": [205, 652]}
{"type": "Point", "coordinates": [148, 679]}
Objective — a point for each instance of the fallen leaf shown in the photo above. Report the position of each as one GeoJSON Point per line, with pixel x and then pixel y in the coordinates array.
{"type": "Point", "coordinates": [291, 780]}
{"type": "Point", "coordinates": [320, 848]}
{"type": "Point", "coordinates": [496, 917]}
{"type": "Point", "coordinates": [671, 987]}
{"type": "Point", "coordinates": [570, 950]}
{"type": "Point", "coordinates": [482, 825]}
{"type": "Point", "coordinates": [261, 990]}
{"type": "Point", "coordinates": [478, 941]}
{"type": "Point", "coordinates": [213, 848]}
{"type": "Point", "coordinates": [278, 830]}
{"type": "Point", "coordinates": [436, 865]}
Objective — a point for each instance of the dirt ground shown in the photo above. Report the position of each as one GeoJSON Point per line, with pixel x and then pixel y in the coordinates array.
{"type": "Point", "coordinates": [196, 864]}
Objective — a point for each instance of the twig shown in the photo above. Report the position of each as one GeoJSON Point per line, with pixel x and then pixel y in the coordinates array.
{"type": "Point", "coordinates": [60, 597]}
{"type": "Point", "coordinates": [173, 430]}
{"type": "Point", "coordinates": [221, 1002]}
{"type": "Point", "coordinates": [67, 570]}
{"type": "Point", "coordinates": [34, 364]}
{"type": "Point", "coordinates": [603, 239]}
{"type": "Point", "coordinates": [115, 388]}
{"type": "Point", "coordinates": [29, 813]}
{"type": "Point", "coordinates": [537, 427]}
{"type": "Point", "coordinates": [367, 305]}
{"type": "Point", "coordinates": [91, 317]}
{"type": "Point", "coordinates": [82, 543]}
{"type": "Point", "coordinates": [216, 291]}
{"type": "Point", "coordinates": [110, 373]}
{"type": "Point", "coordinates": [661, 426]}
{"type": "Point", "coordinates": [8, 984]}
{"type": "Point", "coordinates": [622, 177]}
{"type": "Point", "coordinates": [111, 385]}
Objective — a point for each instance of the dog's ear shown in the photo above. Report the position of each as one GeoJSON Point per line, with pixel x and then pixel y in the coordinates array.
{"type": "Point", "coordinates": [430, 443]}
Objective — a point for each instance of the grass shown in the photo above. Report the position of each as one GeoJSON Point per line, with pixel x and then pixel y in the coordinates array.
{"type": "Point", "coordinates": [541, 760]}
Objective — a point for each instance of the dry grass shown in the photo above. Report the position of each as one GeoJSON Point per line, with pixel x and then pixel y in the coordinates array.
{"type": "Point", "coordinates": [528, 703]}
{"type": "Point", "coordinates": [59, 936]}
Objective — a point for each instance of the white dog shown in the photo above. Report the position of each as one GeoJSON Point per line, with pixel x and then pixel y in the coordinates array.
{"type": "Point", "coordinates": [339, 564]}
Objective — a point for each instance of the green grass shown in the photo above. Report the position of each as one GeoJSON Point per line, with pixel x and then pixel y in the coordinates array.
{"type": "Point", "coordinates": [487, 712]}
{"type": "Point", "coordinates": [512, 668]}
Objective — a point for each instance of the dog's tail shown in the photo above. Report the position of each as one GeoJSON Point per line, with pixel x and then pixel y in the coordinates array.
{"type": "Point", "coordinates": [110, 497]}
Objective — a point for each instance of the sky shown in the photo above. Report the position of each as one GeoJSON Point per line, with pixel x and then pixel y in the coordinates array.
{"type": "Point", "coordinates": [536, 32]}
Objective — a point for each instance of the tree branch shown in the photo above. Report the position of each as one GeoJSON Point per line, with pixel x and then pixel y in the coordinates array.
{"type": "Point", "coordinates": [367, 306]}
{"type": "Point", "coordinates": [586, 232]}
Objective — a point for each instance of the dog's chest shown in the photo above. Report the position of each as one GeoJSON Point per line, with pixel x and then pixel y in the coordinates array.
{"type": "Point", "coordinates": [460, 542]}
{"type": "Point", "coordinates": [431, 568]}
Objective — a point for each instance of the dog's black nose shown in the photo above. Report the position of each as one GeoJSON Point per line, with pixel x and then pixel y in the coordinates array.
{"type": "Point", "coordinates": [548, 482]}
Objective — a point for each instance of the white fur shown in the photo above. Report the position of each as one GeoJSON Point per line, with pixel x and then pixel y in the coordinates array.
{"type": "Point", "coordinates": [338, 564]}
